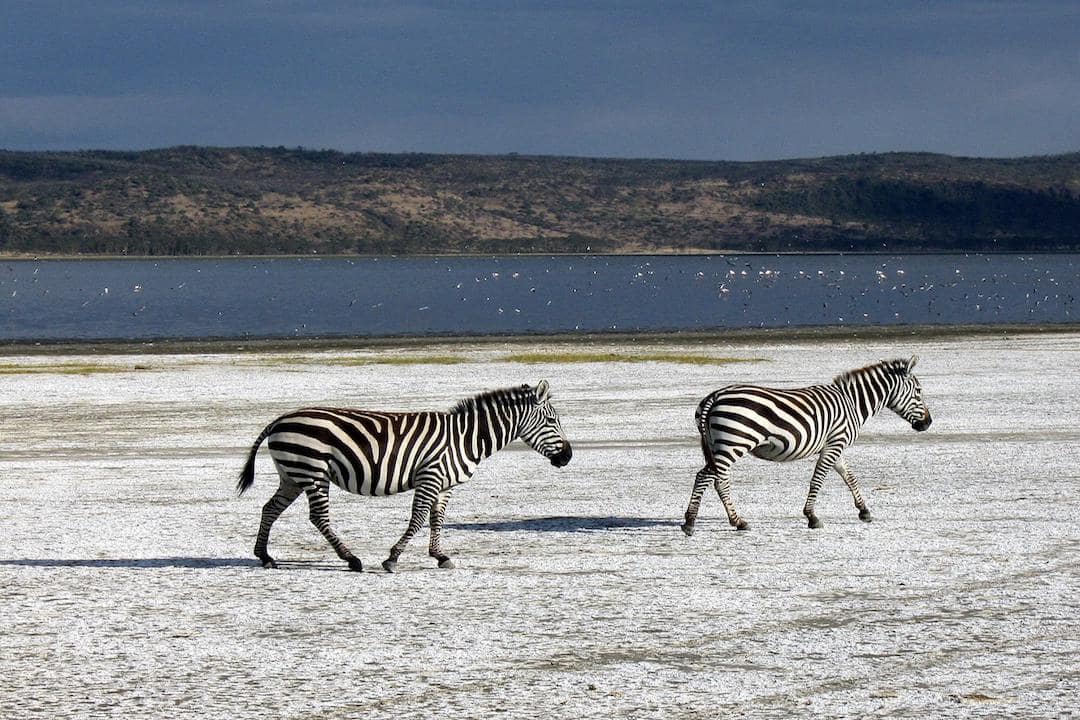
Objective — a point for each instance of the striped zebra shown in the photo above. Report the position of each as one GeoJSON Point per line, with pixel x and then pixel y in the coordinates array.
{"type": "Point", "coordinates": [783, 425]}
{"type": "Point", "coordinates": [381, 453]}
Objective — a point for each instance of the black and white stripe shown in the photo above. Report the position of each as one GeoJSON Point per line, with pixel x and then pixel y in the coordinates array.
{"type": "Point", "coordinates": [782, 425]}
{"type": "Point", "coordinates": [382, 453]}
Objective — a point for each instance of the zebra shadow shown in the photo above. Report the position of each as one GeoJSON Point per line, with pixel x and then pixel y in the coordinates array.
{"type": "Point", "coordinates": [192, 563]}
{"type": "Point", "coordinates": [564, 523]}
{"type": "Point", "coordinates": [189, 563]}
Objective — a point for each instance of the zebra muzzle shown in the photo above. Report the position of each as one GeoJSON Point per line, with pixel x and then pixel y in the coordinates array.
{"type": "Point", "coordinates": [923, 424]}
{"type": "Point", "coordinates": [563, 457]}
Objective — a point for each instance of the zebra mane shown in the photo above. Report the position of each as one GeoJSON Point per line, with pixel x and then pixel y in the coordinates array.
{"type": "Point", "coordinates": [883, 368]}
{"type": "Point", "coordinates": [506, 396]}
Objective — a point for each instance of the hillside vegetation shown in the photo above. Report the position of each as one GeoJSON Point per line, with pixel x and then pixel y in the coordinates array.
{"type": "Point", "coordinates": [194, 200]}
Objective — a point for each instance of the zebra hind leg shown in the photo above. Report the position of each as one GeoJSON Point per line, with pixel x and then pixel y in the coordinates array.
{"type": "Point", "coordinates": [319, 511]}
{"type": "Point", "coordinates": [283, 498]}
{"type": "Point", "coordinates": [438, 512]}
{"type": "Point", "coordinates": [421, 505]}
{"type": "Point", "coordinates": [701, 482]}
{"type": "Point", "coordinates": [723, 489]}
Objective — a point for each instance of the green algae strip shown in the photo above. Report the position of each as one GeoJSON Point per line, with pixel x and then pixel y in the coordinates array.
{"type": "Point", "coordinates": [630, 357]}
{"type": "Point", "coordinates": [65, 369]}
{"type": "Point", "coordinates": [389, 359]}
{"type": "Point", "coordinates": [380, 359]}
{"type": "Point", "coordinates": [537, 357]}
{"type": "Point", "coordinates": [517, 357]}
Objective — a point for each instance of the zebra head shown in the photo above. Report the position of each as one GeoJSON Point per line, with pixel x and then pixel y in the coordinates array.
{"type": "Point", "coordinates": [540, 427]}
{"type": "Point", "coordinates": [905, 397]}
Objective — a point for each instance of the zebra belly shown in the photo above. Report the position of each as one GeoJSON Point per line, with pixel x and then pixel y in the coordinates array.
{"type": "Point", "coordinates": [773, 448]}
{"type": "Point", "coordinates": [779, 449]}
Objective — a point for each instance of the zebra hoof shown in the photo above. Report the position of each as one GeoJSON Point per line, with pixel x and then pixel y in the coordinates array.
{"type": "Point", "coordinates": [389, 565]}
{"type": "Point", "coordinates": [688, 529]}
{"type": "Point", "coordinates": [742, 525]}
{"type": "Point", "coordinates": [865, 516]}
{"type": "Point", "coordinates": [268, 562]}
{"type": "Point", "coordinates": [814, 524]}
{"type": "Point", "coordinates": [355, 565]}
{"type": "Point", "coordinates": [446, 563]}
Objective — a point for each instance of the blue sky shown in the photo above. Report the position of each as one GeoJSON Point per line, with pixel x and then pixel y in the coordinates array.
{"type": "Point", "coordinates": [713, 81]}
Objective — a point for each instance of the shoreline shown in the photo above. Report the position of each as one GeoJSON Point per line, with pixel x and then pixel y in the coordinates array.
{"type": "Point", "coordinates": [186, 346]}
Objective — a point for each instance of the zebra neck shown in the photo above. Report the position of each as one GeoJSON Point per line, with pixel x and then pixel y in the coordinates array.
{"type": "Point", "coordinates": [484, 430]}
{"type": "Point", "coordinates": [866, 398]}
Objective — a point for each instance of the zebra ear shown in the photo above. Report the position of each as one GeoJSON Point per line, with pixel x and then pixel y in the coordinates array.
{"type": "Point", "coordinates": [543, 392]}
{"type": "Point", "coordinates": [911, 363]}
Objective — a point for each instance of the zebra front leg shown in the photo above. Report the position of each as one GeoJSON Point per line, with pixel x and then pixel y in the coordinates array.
{"type": "Point", "coordinates": [825, 462]}
{"type": "Point", "coordinates": [853, 485]}
{"type": "Point", "coordinates": [438, 511]}
{"type": "Point", "coordinates": [283, 498]}
{"type": "Point", "coordinates": [423, 497]}
{"type": "Point", "coordinates": [319, 512]}
{"type": "Point", "coordinates": [701, 481]}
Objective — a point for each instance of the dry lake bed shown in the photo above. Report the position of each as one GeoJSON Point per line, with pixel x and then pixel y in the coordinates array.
{"type": "Point", "coordinates": [128, 588]}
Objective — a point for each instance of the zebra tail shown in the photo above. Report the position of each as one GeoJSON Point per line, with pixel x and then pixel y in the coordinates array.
{"type": "Point", "coordinates": [247, 475]}
{"type": "Point", "coordinates": [701, 417]}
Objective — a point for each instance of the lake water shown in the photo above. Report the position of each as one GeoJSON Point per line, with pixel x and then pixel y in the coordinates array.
{"type": "Point", "coordinates": [146, 299]}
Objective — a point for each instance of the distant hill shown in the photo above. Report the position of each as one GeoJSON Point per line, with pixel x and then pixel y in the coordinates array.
{"type": "Point", "coordinates": [196, 200]}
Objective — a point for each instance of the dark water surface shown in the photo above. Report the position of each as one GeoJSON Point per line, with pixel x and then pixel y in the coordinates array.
{"type": "Point", "coordinates": [302, 297]}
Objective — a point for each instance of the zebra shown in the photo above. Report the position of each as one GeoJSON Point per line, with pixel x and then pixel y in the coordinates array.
{"type": "Point", "coordinates": [370, 452]}
{"type": "Point", "coordinates": [782, 425]}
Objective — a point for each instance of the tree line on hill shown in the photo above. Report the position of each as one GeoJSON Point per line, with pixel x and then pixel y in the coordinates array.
{"type": "Point", "coordinates": [259, 201]}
